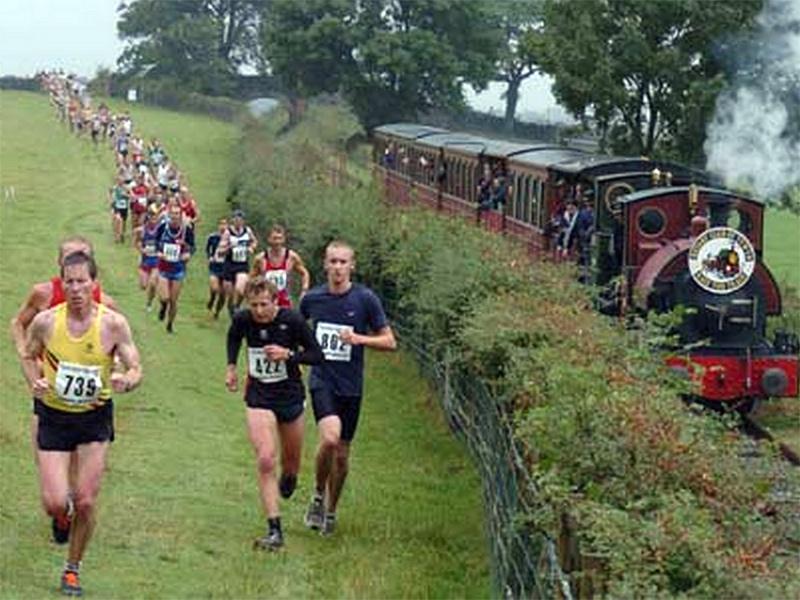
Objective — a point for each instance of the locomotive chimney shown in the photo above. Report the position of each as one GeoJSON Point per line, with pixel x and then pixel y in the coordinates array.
{"type": "Point", "coordinates": [693, 198]}
{"type": "Point", "coordinates": [655, 176]}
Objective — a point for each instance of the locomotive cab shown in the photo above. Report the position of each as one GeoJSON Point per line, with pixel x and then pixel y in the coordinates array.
{"type": "Point", "coordinates": [701, 249]}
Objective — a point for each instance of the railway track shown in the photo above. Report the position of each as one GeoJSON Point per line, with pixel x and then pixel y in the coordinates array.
{"type": "Point", "coordinates": [759, 432]}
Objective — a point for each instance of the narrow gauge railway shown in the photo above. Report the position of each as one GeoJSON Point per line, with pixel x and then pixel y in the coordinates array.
{"type": "Point", "coordinates": [662, 235]}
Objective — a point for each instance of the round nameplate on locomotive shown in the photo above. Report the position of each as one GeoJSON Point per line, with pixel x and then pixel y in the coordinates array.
{"type": "Point", "coordinates": [721, 260]}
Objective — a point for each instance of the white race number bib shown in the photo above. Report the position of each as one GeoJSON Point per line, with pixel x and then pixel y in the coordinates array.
{"type": "Point", "coordinates": [263, 369]}
{"type": "Point", "coordinates": [172, 252]}
{"type": "Point", "coordinates": [329, 338]}
{"type": "Point", "coordinates": [278, 277]}
{"type": "Point", "coordinates": [239, 253]}
{"type": "Point", "coordinates": [78, 384]}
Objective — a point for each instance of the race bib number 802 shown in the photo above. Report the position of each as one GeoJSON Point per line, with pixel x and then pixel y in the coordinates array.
{"type": "Point", "coordinates": [329, 338]}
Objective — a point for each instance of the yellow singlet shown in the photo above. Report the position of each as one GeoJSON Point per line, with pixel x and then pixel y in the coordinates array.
{"type": "Point", "coordinates": [78, 370]}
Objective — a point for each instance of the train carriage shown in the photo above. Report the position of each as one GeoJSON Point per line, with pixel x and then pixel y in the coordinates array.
{"type": "Point", "coordinates": [662, 236]}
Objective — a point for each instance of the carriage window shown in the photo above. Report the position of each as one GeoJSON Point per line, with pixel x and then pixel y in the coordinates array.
{"type": "Point", "coordinates": [536, 200]}
{"type": "Point", "coordinates": [651, 222]}
{"type": "Point", "coordinates": [740, 221]}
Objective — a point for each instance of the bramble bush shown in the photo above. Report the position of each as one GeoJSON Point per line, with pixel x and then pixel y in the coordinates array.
{"type": "Point", "coordinates": [658, 495]}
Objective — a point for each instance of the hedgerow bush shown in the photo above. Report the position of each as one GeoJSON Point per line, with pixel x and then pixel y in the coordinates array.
{"type": "Point", "coordinates": [666, 502]}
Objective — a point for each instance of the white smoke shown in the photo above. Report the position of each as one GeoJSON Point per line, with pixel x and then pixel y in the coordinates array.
{"type": "Point", "coordinates": [748, 144]}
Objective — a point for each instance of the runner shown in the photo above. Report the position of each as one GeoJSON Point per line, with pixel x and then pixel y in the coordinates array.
{"type": "Point", "coordinates": [175, 248]}
{"type": "Point", "coordinates": [342, 313]}
{"type": "Point", "coordinates": [48, 294]}
{"type": "Point", "coordinates": [216, 262]}
{"type": "Point", "coordinates": [72, 389]}
{"type": "Point", "coordinates": [277, 262]}
{"type": "Point", "coordinates": [146, 240]}
{"type": "Point", "coordinates": [120, 201]}
{"type": "Point", "coordinates": [238, 243]}
{"type": "Point", "coordinates": [278, 340]}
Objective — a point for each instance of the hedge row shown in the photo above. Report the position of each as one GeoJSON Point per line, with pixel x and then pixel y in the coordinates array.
{"type": "Point", "coordinates": [665, 501]}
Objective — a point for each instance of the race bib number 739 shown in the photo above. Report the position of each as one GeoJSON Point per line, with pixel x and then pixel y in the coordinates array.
{"type": "Point", "coordinates": [78, 384]}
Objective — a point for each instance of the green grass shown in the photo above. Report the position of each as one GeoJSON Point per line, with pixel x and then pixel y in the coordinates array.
{"type": "Point", "coordinates": [782, 247]}
{"type": "Point", "coordinates": [179, 506]}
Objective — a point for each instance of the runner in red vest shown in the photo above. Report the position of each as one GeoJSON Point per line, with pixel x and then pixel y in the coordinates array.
{"type": "Point", "coordinates": [277, 262]}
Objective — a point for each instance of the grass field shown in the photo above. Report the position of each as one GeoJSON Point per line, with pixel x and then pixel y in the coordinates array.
{"type": "Point", "coordinates": [782, 252]}
{"type": "Point", "coordinates": [179, 507]}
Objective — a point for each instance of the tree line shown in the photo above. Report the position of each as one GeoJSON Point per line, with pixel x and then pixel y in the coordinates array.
{"type": "Point", "coordinates": [643, 74]}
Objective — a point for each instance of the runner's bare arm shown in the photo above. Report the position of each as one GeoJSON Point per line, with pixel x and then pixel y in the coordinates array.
{"type": "Point", "coordinates": [36, 302]}
{"type": "Point", "coordinates": [128, 354]}
{"type": "Point", "coordinates": [382, 340]}
{"type": "Point", "coordinates": [300, 268]}
{"type": "Point", "coordinates": [258, 263]}
{"type": "Point", "coordinates": [36, 336]}
{"type": "Point", "coordinates": [253, 240]}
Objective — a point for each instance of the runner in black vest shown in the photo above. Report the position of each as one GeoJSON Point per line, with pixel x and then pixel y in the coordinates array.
{"type": "Point", "coordinates": [278, 341]}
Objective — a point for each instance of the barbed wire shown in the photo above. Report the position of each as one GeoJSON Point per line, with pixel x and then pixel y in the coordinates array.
{"type": "Point", "coordinates": [524, 561]}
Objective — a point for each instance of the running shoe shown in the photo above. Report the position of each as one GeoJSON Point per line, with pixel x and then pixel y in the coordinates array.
{"type": "Point", "coordinates": [272, 541]}
{"type": "Point", "coordinates": [287, 484]}
{"type": "Point", "coordinates": [315, 515]}
{"type": "Point", "coordinates": [328, 524]}
{"type": "Point", "coordinates": [71, 584]}
{"type": "Point", "coordinates": [62, 525]}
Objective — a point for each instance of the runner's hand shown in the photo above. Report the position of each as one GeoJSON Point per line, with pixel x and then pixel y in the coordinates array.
{"type": "Point", "coordinates": [119, 383]}
{"type": "Point", "coordinates": [231, 380]}
{"type": "Point", "coordinates": [276, 353]}
{"type": "Point", "coordinates": [40, 387]}
{"type": "Point", "coordinates": [348, 336]}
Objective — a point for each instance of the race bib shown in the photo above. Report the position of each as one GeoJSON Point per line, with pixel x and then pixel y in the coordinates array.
{"type": "Point", "coordinates": [263, 369]}
{"type": "Point", "coordinates": [239, 253]}
{"type": "Point", "coordinates": [120, 201]}
{"type": "Point", "coordinates": [172, 252]}
{"type": "Point", "coordinates": [150, 249]}
{"type": "Point", "coordinates": [78, 384]}
{"type": "Point", "coordinates": [330, 340]}
{"type": "Point", "coordinates": [277, 277]}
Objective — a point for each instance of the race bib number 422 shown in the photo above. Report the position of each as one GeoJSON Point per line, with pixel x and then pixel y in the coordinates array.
{"type": "Point", "coordinates": [78, 384]}
{"type": "Point", "coordinates": [329, 338]}
{"type": "Point", "coordinates": [263, 369]}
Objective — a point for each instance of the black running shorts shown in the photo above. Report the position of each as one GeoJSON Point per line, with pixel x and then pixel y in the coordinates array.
{"type": "Point", "coordinates": [347, 408]}
{"type": "Point", "coordinates": [63, 432]}
{"type": "Point", "coordinates": [286, 409]}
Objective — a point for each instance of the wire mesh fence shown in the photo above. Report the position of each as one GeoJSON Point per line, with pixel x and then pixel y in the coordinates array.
{"type": "Point", "coordinates": [524, 562]}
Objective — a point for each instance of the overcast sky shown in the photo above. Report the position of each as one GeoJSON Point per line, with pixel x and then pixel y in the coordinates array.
{"type": "Point", "coordinates": [81, 35]}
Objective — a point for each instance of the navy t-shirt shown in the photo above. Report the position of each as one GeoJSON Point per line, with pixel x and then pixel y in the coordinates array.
{"type": "Point", "coordinates": [342, 371]}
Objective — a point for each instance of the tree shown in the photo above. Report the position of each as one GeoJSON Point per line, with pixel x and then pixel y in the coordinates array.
{"type": "Point", "coordinates": [199, 43]}
{"type": "Point", "coordinates": [414, 55]}
{"type": "Point", "coordinates": [519, 21]}
{"type": "Point", "coordinates": [645, 70]}
{"type": "Point", "coordinates": [308, 46]}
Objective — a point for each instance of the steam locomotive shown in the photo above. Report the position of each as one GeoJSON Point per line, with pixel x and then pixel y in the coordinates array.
{"type": "Point", "coordinates": [663, 236]}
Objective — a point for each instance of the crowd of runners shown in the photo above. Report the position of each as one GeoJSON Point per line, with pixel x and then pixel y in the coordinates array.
{"type": "Point", "coordinates": [76, 348]}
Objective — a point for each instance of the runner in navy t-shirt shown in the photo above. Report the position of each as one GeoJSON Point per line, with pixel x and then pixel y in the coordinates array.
{"type": "Point", "coordinates": [343, 314]}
